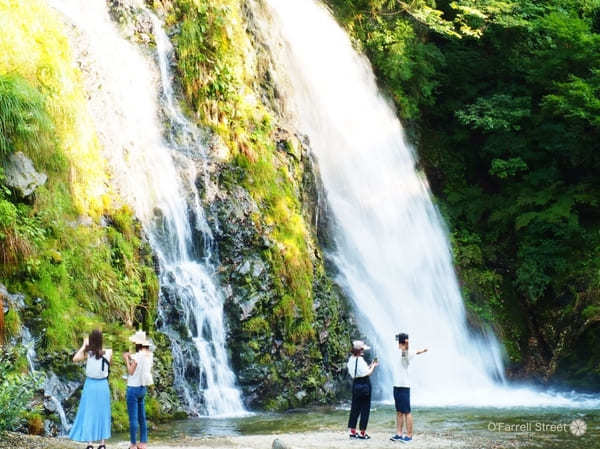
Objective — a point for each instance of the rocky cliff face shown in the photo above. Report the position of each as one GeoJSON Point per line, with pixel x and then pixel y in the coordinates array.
{"type": "Point", "coordinates": [283, 355]}
{"type": "Point", "coordinates": [272, 371]}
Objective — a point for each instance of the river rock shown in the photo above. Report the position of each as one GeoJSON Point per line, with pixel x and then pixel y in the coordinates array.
{"type": "Point", "coordinates": [278, 444]}
{"type": "Point", "coordinates": [21, 175]}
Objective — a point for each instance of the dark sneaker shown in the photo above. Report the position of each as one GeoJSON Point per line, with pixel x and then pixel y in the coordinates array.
{"type": "Point", "coordinates": [397, 438]}
{"type": "Point", "coordinates": [406, 439]}
{"type": "Point", "coordinates": [364, 437]}
{"type": "Point", "coordinates": [353, 435]}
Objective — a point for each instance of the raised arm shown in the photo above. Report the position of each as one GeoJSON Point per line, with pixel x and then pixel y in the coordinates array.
{"type": "Point", "coordinates": [131, 364]}
{"type": "Point", "coordinates": [80, 354]}
{"type": "Point", "coordinates": [422, 351]}
{"type": "Point", "coordinates": [372, 367]}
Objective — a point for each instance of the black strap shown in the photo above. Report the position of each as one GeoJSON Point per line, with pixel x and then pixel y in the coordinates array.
{"type": "Point", "coordinates": [106, 362]}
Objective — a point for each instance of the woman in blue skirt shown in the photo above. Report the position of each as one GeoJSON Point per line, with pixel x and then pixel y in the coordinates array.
{"type": "Point", "coordinates": [93, 420]}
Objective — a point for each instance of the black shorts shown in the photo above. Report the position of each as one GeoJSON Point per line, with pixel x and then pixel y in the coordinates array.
{"type": "Point", "coordinates": [402, 399]}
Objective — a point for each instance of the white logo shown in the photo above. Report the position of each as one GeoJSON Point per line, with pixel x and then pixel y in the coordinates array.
{"type": "Point", "coordinates": [578, 427]}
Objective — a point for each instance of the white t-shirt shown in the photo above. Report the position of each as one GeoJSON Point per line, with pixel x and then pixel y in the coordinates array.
{"type": "Point", "coordinates": [93, 366]}
{"type": "Point", "coordinates": [401, 365]}
{"type": "Point", "coordinates": [362, 369]}
{"type": "Point", "coordinates": [142, 376]}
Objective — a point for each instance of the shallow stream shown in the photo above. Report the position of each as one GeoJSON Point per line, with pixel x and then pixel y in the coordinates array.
{"type": "Point", "coordinates": [464, 424]}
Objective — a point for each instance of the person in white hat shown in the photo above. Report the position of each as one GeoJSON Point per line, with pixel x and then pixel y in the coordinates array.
{"type": "Point", "coordinates": [139, 368]}
{"type": "Point", "coordinates": [361, 389]}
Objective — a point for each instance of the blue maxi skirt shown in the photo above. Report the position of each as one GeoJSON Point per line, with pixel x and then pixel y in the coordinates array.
{"type": "Point", "coordinates": [92, 422]}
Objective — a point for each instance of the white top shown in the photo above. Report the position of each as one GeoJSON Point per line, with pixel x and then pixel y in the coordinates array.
{"type": "Point", "coordinates": [142, 376]}
{"type": "Point", "coordinates": [401, 364]}
{"type": "Point", "coordinates": [93, 366]}
{"type": "Point", "coordinates": [362, 369]}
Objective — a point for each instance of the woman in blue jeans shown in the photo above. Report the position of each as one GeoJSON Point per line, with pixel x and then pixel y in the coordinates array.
{"type": "Point", "coordinates": [139, 367]}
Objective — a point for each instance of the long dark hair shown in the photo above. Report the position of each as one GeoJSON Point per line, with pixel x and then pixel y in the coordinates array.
{"type": "Point", "coordinates": [95, 344]}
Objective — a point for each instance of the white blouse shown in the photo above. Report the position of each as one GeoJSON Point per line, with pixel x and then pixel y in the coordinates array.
{"type": "Point", "coordinates": [142, 376]}
{"type": "Point", "coordinates": [358, 363]}
{"type": "Point", "coordinates": [93, 366]}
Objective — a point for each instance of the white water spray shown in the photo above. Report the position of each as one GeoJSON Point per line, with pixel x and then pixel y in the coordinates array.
{"type": "Point", "coordinates": [155, 167]}
{"type": "Point", "coordinates": [390, 244]}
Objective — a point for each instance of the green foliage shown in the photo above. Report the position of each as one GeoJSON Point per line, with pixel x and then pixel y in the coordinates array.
{"type": "Point", "coordinates": [507, 168]}
{"type": "Point", "coordinates": [16, 391]}
{"type": "Point", "coordinates": [54, 247]}
{"type": "Point", "coordinates": [12, 323]}
{"type": "Point", "coordinates": [24, 122]}
{"type": "Point", "coordinates": [499, 112]}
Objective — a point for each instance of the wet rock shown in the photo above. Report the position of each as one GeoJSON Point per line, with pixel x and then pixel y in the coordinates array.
{"type": "Point", "coordinates": [133, 17]}
{"type": "Point", "coordinates": [278, 444]}
{"type": "Point", "coordinates": [57, 391]}
{"type": "Point", "coordinates": [245, 268]}
{"type": "Point", "coordinates": [287, 142]}
{"type": "Point", "coordinates": [11, 301]}
{"type": "Point", "coordinates": [300, 395]}
{"type": "Point", "coordinates": [329, 387]}
{"type": "Point", "coordinates": [218, 150]}
{"type": "Point", "coordinates": [21, 176]}
{"type": "Point", "coordinates": [258, 267]}
{"type": "Point", "coordinates": [248, 307]}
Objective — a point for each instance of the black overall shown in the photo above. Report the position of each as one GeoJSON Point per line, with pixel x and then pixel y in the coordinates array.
{"type": "Point", "coordinates": [361, 404]}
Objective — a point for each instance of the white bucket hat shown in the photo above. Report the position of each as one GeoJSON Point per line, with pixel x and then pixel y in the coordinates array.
{"type": "Point", "coordinates": [359, 344]}
{"type": "Point", "coordinates": [139, 338]}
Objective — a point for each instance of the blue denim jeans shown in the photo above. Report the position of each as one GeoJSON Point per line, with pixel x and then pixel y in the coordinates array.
{"type": "Point", "coordinates": [137, 413]}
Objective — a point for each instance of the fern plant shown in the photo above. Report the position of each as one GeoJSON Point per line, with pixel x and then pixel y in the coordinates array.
{"type": "Point", "coordinates": [24, 121]}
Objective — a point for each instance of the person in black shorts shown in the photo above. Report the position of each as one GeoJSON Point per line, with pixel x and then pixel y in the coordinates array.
{"type": "Point", "coordinates": [402, 389]}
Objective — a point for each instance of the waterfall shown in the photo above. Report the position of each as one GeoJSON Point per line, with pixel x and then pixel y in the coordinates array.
{"type": "Point", "coordinates": [390, 243]}
{"type": "Point", "coordinates": [156, 158]}
{"type": "Point", "coordinates": [55, 390]}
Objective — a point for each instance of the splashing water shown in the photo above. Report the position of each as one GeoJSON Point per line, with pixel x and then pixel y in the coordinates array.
{"type": "Point", "coordinates": [391, 247]}
{"type": "Point", "coordinates": [56, 391]}
{"type": "Point", "coordinates": [156, 157]}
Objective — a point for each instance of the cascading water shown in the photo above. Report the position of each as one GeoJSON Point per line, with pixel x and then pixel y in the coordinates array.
{"type": "Point", "coordinates": [390, 244]}
{"type": "Point", "coordinates": [155, 167]}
